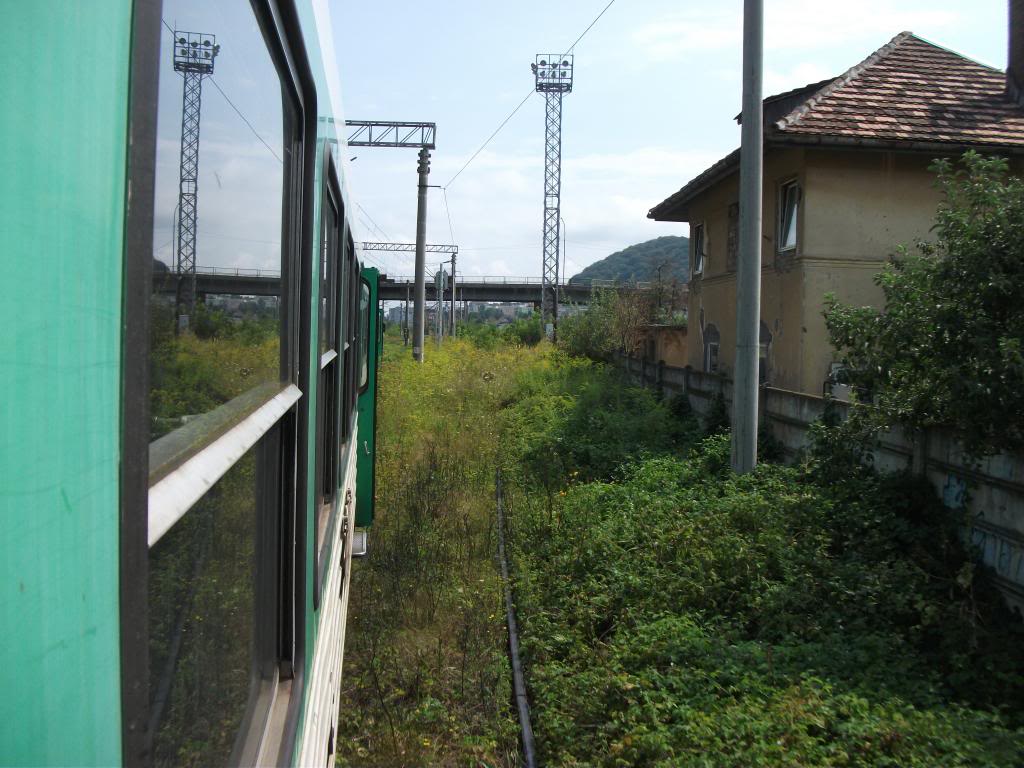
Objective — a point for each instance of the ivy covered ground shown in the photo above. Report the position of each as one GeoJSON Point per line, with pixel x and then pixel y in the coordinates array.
{"type": "Point", "coordinates": [676, 614]}
{"type": "Point", "coordinates": [673, 613]}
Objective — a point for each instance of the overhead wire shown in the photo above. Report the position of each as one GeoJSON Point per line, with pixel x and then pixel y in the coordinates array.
{"type": "Point", "coordinates": [528, 95]}
{"type": "Point", "coordinates": [232, 105]}
{"type": "Point", "coordinates": [503, 123]}
{"type": "Point", "coordinates": [374, 224]}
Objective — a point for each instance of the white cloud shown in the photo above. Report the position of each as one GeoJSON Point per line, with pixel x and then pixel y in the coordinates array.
{"type": "Point", "coordinates": [790, 25]}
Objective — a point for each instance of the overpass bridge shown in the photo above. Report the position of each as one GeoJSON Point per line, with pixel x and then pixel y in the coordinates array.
{"type": "Point", "coordinates": [485, 288]}
{"type": "Point", "coordinates": [231, 281]}
{"type": "Point", "coordinates": [242, 282]}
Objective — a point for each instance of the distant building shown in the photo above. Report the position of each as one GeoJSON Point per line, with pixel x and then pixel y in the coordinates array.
{"type": "Point", "coordinates": [846, 181]}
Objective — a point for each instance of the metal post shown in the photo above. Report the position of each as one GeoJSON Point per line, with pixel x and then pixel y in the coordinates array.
{"type": "Point", "coordinates": [194, 56]}
{"type": "Point", "coordinates": [553, 77]}
{"type": "Point", "coordinates": [552, 194]}
{"type": "Point", "coordinates": [454, 304]}
{"type": "Point", "coordinates": [748, 280]}
{"type": "Point", "coordinates": [419, 309]}
{"type": "Point", "coordinates": [405, 318]}
{"type": "Point", "coordinates": [438, 303]}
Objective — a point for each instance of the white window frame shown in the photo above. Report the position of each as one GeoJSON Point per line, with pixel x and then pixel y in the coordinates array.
{"type": "Point", "coordinates": [791, 186]}
{"type": "Point", "coordinates": [699, 238]}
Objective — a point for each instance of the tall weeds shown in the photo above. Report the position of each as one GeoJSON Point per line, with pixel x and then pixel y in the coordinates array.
{"type": "Point", "coordinates": [426, 676]}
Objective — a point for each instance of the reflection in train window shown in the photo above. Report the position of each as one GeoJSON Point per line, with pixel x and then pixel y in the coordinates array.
{"type": "Point", "coordinates": [201, 634]}
{"type": "Point", "coordinates": [217, 232]}
{"type": "Point", "coordinates": [364, 334]}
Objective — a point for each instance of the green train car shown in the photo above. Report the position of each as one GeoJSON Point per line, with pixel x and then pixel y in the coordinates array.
{"type": "Point", "coordinates": [190, 348]}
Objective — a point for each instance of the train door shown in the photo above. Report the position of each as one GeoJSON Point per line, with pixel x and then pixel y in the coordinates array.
{"type": "Point", "coordinates": [369, 354]}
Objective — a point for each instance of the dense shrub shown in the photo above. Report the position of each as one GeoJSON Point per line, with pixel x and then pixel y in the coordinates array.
{"type": "Point", "coordinates": [580, 420]}
{"type": "Point", "coordinates": [525, 331]}
{"type": "Point", "coordinates": [685, 615]}
{"type": "Point", "coordinates": [948, 348]}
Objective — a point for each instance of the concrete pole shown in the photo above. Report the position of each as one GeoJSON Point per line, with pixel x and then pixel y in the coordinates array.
{"type": "Point", "coordinates": [454, 303]}
{"type": "Point", "coordinates": [420, 295]}
{"type": "Point", "coordinates": [405, 318]}
{"type": "Point", "coordinates": [748, 278]}
{"type": "Point", "coordinates": [439, 306]}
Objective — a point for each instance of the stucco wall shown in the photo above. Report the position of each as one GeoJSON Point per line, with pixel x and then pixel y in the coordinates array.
{"type": "Point", "coordinates": [857, 206]}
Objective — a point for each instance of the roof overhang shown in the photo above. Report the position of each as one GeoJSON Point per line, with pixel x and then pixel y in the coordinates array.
{"type": "Point", "coordinates": [676, 206]}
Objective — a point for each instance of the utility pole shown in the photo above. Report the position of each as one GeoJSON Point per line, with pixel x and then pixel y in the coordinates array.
{"type": "Point", "coordinates": [378, 133]}
{"type": "Point", "coordinates": [439, 303]}
{"type": "Point", "coordinates": [420, 295]}
{"type": "Point", "coordinates": [454, 304]}
{"type": "Point", "coordinates": [748, 279]}
{"type": "Point", "coordinates": [405, 318]}
{"type": "Point", "coordinates": [552, 77]}
{"type": "Point", "coordinates": [194, 55]}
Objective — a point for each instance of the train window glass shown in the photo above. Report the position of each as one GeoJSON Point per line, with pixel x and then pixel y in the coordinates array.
{"type": "Point", "coordinates": [352, 318]}
{"type": "Point", "coordinates": [220, 350]}
{"type": "Point", "coordinates": [328, 275]}
{"type": "Point", "coordinates": [206, 659]}
{"type": "Point", "coordinates": [218, 216]}
{"type": "Point", "coordinates": [364, 334]}
{"type": "Point", "coordinates": [328, 394]}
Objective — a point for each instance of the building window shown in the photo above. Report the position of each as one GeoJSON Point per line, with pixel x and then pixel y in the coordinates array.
{"type": "Point", "coordinates": [711, 342]}
{"type": "Point", "coordinates": [789, 206]}
{"type": "Point", "coordinates": [699, 248]}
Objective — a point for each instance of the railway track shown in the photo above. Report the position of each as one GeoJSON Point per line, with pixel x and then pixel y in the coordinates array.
{"type": "Point", "coordinates": [518, 682]}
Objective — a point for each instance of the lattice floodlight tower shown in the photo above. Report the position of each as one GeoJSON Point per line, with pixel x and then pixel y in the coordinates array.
{"type": "Point", "coordinates": [552, 77]}
{"type": "Point", "coordinates": [194, 54]}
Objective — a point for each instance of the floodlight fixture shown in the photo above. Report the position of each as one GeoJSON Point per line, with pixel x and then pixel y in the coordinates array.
{"type": "Point", "coordinates": [553, 73]}
{"type": "Point", "coordinates": [187, 56]}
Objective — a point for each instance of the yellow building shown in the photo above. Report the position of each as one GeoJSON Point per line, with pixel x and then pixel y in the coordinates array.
{"type": "Point", "coordinates": [846, 181]}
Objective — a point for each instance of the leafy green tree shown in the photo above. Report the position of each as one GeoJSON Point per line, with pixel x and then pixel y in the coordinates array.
{"type": "Point", "coordinates": [590, 333]}
{"type": "Point", "coordinates": [947, 348]}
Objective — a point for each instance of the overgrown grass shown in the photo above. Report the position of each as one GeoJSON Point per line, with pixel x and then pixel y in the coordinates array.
{"type": "Point", "coordinates": [426, 674]}
{"type": "Point", "coordinates": [675, 614]}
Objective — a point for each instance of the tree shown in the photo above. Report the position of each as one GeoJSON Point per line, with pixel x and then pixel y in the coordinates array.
{"type": "Point", "coordinates": [947, 348]}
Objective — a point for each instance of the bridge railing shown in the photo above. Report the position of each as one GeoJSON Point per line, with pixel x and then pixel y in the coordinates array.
{"type": "Point", "coordinates": [462, 279]}
{"type": "Point", "coordinates": [238, 272]}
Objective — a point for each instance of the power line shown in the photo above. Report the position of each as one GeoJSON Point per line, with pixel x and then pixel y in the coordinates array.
{"type": "Point", "coordinates": [596, 19]}
{"type": "Point", "coordinates": [446, 211]}
{"type": "Point", "coordinates": [245, 120]}
{"type": "Point", "coordinates": [528, 95]}
{"type": "Point", "coordinates": [232, 104]}
{"type": "Point", "coordinates": [484, 145]}
{"type": "Point", "coordinates": [374, 223]}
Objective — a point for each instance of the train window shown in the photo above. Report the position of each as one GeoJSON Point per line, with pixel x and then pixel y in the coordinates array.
{"type": "Point", "coordinates": [328, 385]}
{"type": "Point", "coordinates": [215, 325]}
{"type": "Point", "coordinates": [364, 334]}
{"type": "Point", "coordinates": [352, 320]}
{"type": "Point", "coordinates": [207, 658]}
{"type": "Point", "coordinates": [222, 359]}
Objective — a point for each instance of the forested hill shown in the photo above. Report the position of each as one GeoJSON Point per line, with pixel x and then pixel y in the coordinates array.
{"type": "Point", "coordinates": [641, 262]}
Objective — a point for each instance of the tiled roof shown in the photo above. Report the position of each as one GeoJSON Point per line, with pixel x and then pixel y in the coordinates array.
{"type": "Point", "coordinates": [912, 90]}
{"type": "Point", "coordinates": [908, 93]}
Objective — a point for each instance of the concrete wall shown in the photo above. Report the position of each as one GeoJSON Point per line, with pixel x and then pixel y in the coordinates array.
{"type": "Point", "coordinates": [669, 343]}
{"type": "Point", "coordinates": [993, 489]}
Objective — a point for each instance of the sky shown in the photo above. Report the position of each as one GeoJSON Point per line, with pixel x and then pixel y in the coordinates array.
{"type": "Point", "coordinates": [656, 88]}
{"type": "Point", "coordinates": [240, 176]}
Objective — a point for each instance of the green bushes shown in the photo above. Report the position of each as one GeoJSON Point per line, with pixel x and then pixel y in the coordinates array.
{"type": "Point", "coordinates": [676, 614]}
